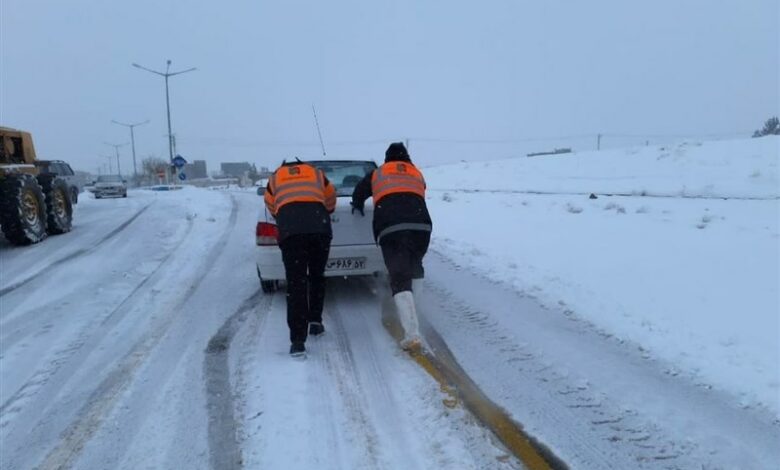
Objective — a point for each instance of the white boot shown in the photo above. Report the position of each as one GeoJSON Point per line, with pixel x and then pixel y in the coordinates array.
{"type": "Point", "coordinates": [417, 290]}
{"type": "Point", "coordinates": [407, 314]}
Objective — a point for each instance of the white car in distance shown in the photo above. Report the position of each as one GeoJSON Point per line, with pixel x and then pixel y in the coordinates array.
{"type": "Point", "coordinates": [109, 185]}
{"type": "Point", "coordinates": [353, 251]}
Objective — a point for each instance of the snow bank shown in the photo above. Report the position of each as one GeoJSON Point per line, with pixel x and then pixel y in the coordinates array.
{"type": "Point", "coordinates": [693, 282]}
{"type": "Point", "coordinates": [738, 168]}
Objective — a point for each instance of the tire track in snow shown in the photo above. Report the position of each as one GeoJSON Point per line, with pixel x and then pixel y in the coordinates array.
{"type": "Point", "coordinates": [224, 448]}
{"type": "Point", "coordinates": [250, 336]}
{"type": "Point", "coordinates": [324, 407]}
{"type": "Point", "coordinates": [339, 366]}
{"type": "Point", "coordinates": [369, 378]}
{"type": "Point", "coordinates": [52, 370]}
{"type": "Point", "coordinates": [590, 424]}
{"type": "Point", "coordinates": [440, 364]}
{"type": "Point", "coordinates": [75, 254]}
{"type": "Point", "coordinates": [104, 398]}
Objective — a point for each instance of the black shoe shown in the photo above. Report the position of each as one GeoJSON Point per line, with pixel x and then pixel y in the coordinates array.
{"type": "Point", "coordinates": [316, 328]}
{"type": "Point", "coordinates": [297, 350]}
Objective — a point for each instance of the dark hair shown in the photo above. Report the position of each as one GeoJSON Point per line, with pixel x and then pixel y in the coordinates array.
{"type": "Point", "coordinates": [397, 152]}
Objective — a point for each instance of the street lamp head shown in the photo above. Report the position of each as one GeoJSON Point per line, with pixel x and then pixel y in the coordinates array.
{"type": "Point", "coordinates": [130, 125]}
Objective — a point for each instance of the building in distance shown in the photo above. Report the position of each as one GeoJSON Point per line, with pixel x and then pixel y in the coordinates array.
{"type": "Point", "coordinates": [235, 169]}
{"type": "Point", "coordinates": [196, 170]}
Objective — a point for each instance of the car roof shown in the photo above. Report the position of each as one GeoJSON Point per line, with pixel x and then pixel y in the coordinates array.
{"type": "Point", "coordinates": [332, 160]}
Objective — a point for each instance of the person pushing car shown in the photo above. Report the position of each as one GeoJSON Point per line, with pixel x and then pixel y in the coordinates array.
{"type": "Point", "coordinates": [301, 199]}
{"type": "Point", "coordinates": [402, 227]}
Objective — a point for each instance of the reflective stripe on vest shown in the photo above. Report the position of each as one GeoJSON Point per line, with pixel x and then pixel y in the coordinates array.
{"type": "Point", "coordinates": [296, 183]}
{"type": "Point", "coordinates": [397, 177]}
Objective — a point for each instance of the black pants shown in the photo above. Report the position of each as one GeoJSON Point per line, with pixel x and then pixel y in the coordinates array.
{"type": "Point", "coordinates": [403, 253]}
{"type": "Point", "coordinates": [304, 259]}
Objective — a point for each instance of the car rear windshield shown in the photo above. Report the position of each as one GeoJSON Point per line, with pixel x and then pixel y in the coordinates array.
{"type": "Point", "coordinates": [109, 179]}
{"type": "Point", "coordinates": [344, 175]}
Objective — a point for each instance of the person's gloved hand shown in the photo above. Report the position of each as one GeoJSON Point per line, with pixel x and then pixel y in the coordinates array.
{"type": "Point", "coordinates": [357, 208]}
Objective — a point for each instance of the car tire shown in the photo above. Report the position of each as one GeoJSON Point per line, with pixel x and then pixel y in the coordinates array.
{"type": "Point", "coordinates": [268, 287]}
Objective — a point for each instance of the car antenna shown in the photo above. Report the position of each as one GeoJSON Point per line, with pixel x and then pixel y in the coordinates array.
{"type": "Point", "coordinates": [317, 123]}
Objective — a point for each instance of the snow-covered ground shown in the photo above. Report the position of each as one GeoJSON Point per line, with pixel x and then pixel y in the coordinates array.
{"type": "Point", "coordinates": [622, 332]}
{"type": "Point", "coordinates": [739, 168]}
{"type": "Point", "coordinates": [141, 340]}
{"type": "Point", "coordinates": [686, 277]}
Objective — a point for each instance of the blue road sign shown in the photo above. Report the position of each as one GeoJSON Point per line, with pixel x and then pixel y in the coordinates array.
{"type": "Point", "coordinates": [179, 161]}
{"type": "Point", "coordinates": [182, 176]}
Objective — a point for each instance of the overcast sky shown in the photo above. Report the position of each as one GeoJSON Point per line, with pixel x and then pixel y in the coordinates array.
{"type": "Point", "coordinates": [443, 74]}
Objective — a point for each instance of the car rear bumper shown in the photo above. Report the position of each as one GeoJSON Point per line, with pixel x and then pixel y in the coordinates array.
{"type": "Point", "coordinates": [109, 192]}
{"type": "Point", "coordinates": [341, 261]}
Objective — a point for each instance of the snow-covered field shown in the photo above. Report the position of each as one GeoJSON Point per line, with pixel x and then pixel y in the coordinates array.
{"type": "Point", "coordinates": [685, 276]}
{"type": "Point", "coordinates": [693, 281]}
{"type": "Point", "coordinates": [625, 331]}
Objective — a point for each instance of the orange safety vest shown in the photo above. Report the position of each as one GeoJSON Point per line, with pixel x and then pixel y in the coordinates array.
{"type": "Point", "coordinates": [397, 177]}
{"type": "Point", "coordinates": [298, 183]}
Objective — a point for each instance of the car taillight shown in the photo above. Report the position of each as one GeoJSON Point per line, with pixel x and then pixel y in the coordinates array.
{"type": "Point", "coordinates": [267, 234]}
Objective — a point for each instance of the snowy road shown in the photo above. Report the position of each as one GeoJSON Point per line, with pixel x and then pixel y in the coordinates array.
{"type": "Point", "coordinates": [140, 340]}
{"type": "Point", "coordinates": [599, 402]}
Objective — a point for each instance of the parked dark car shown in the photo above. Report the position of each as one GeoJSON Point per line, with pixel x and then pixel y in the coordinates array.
{"type": "Point", "coordinates": [65, 172]}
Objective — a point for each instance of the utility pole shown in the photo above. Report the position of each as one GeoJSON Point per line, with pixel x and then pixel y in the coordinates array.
{"type": "Point", "coordinates": [166, 75]}
{"type": "Point", "coordinates": [116, 149]}
{"type": "Point", "coordinates": [110, 158]}
{"type": "Point", "coordinates": [598, 142]}
{"type": "Point", "coordinates": [132, 142]}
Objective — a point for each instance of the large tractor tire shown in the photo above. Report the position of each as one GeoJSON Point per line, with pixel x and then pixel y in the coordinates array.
{"type": "Point", "coordinates": [59, 209]}
{"type": "Point", "coordinates": [22, 209]}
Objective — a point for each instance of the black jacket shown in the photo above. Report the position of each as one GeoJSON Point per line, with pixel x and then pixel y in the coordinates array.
{"type": "Point", "coordinates": [394, 209]}
{"type": "Point", "coordinates": [299, 218]}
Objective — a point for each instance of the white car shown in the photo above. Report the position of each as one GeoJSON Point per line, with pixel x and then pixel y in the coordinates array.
{"type": "Point", "coordinates": [109, 185]}
{"type": "Point", "coordinates": [353, 251]}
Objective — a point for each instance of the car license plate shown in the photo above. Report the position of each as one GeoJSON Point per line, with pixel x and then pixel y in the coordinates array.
{"type": "Point", "coordinates": [345, 264]}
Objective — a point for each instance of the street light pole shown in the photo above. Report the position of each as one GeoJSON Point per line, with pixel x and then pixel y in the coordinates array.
{"type": "Point", "coordinates": [132, 142]}
{"type": "Point", "coordinates": [168, 113]}
{"type": "Point", "coordinates": [116, 148]}
{"type": "Point", "coordinates": [110, 158]}
{"type": "Point", "coordinates": [166, 75]}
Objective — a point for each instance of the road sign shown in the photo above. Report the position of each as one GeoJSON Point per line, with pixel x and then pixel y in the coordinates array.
{"type": "Point", "coordinates": [179, 161]}
{"type": "Point", "coordinates": [182, 176]}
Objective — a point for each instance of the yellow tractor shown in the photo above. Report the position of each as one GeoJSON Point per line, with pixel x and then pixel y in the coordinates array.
{"type": "Point", "coordinates": [32, 205]}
